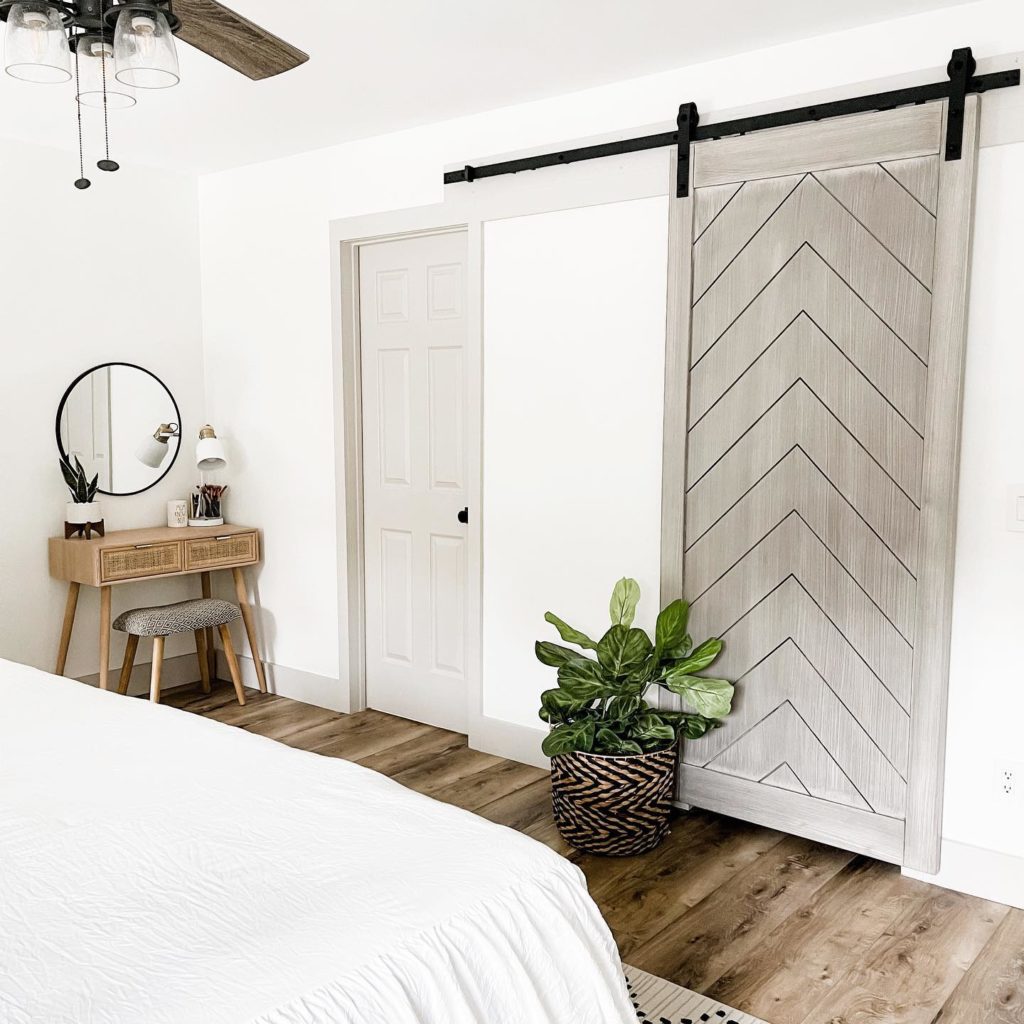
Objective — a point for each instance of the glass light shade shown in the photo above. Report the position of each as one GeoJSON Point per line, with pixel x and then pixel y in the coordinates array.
{"type": "Point", "coordinates": [36, 48]}
{"type": "Point", "coordinates": [144, 53]}
{"type": "Point", "coordinates": [90, 76]}
{"type": "Point", "coordinates": [210, 455]}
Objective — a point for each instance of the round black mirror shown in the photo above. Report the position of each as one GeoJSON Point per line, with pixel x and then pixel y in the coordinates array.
{"type": "Point", "coordinates": [123, 424]}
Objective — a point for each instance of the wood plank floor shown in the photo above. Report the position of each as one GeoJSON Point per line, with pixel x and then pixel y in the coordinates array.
{"type": "Point", "coordinates": [784, 928]}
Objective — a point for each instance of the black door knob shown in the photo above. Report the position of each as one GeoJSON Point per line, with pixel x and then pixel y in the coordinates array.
{"type": "Point", "coordinates": [464, 515]}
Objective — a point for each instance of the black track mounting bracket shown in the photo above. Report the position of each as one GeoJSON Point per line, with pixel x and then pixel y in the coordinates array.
{"type": "Point", "coordinates": [960, 69]}
{"type": "Point", "coordinates": [686, 123]}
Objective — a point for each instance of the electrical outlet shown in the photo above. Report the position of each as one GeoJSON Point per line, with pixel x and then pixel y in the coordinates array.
{"type": "Point", "coordinates": [1010, 780]}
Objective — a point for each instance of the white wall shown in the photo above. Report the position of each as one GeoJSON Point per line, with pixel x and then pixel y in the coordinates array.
{"type": "Point", "coordinates": [987, 697]}
{"type": "Point", "coordinates": [268, 342]}
{"type": "Point", "coordinates": [85, 278]}
{"type": "Point", "coordinates": [574, 359]}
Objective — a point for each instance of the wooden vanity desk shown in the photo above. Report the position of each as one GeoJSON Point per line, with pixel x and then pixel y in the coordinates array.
{"type": "Point", "coordinates": [160, 552]}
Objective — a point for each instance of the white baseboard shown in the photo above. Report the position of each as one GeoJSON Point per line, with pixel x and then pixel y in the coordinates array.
{"type": "Point", "coordinates": [177, 671]}
{"type": "Point", "coordinates": [974, 870]}
{"type": "Point", "coordinates": [506, 739]}
{"type": "Point", "coordinates": [295, 683]}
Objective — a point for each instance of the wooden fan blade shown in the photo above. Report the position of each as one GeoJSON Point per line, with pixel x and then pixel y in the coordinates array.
{"type": "Point", "coordinates": [234, 40]}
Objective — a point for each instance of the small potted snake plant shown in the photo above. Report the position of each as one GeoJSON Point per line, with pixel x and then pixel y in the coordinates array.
{"type": "Point", "coordinates": [82, 513]}
{"type": "Point", "coordinates": [613, 754]}
{"type": "Point", "coordinates": [83, 508]}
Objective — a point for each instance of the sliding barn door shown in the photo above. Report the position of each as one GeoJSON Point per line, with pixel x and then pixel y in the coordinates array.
{"type": "Point", "coordinates": [818, 281]}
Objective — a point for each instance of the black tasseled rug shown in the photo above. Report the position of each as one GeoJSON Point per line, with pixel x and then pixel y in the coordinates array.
{"type": "Point", "coordinates": [658, 1001]}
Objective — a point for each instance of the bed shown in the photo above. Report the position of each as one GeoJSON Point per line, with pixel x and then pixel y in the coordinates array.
{"type": "Point", "coordinates": [158, 867]}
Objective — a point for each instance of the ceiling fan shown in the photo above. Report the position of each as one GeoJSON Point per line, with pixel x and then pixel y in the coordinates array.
{"type": "Point", "coordinates": [113, 47]}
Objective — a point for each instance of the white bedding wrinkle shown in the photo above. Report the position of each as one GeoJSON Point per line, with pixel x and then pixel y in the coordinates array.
{"type": "Point", "coordinates": [159, 868]}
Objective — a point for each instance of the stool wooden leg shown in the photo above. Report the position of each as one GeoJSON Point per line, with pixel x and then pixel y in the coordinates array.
{"type": "Point", "coordinates": [211, 647]}
{"type": "Point", "coordinates": [229, 653]}
{"type": "Point", "coordinates": [158, 667]}
{"type": "Point", "coordinates": [69, 623]}
{"type": "Point", "coordinates": [129, 663]}
{"type": "Point", "coordinates": [204, 665]}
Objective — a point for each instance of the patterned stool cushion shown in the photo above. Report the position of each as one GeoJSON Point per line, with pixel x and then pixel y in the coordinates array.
{"type": "Point", "coordinates": [183, 617]}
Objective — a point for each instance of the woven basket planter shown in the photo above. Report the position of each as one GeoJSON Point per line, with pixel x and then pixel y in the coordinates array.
{"type": "Point", "coordinates": [613, 806]}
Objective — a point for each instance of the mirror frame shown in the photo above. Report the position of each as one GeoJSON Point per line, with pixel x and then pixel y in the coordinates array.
{"type": "Point", "coordinates": [170, 394]}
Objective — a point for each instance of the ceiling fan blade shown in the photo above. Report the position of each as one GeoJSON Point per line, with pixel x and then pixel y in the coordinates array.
{"type": "Point", "coordinates": [234, 40]}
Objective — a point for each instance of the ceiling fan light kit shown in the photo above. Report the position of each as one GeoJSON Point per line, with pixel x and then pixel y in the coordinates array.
{"type": "Point", "coordinates": [113, 47]}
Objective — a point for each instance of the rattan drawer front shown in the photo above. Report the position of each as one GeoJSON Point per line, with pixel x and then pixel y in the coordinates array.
{"type": "Point", "coordinates": [238, 549]}
{"type": "Point", "coordinates": [144, 560]}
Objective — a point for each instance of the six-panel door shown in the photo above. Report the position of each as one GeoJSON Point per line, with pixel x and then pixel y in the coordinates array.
{"type": "Point", "coordinates": [413, 338]}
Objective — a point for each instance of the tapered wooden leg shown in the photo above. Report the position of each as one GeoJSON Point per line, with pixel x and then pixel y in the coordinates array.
{"type": "Point", "coordinates": [211, 647]}
{"type": "Point", "coordinates": [158, 668]}
{"type": "Point", "coordinates": [104, 638]}
{"type": "Point", "coordinates": [204, 665]}
{"type": "Point", "coordinates": [129, 663]}
{"type": "Point", "coordinates": [229, 653]}
{"type": "Point", "coordinates": [69, 623]}
{"type": "Point", "coordinates": [249, 619]}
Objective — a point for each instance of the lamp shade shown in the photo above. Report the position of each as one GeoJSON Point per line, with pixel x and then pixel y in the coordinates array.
{"type": "Point", "coordinates": [93, 51]}
{"type": "Point", "coordinates": [144, 53]}
{"type": "Point", "coordinates": [36, 48]}
{"type": "Point", "coordinates": [210, 453]}
{"type": "Point", "coordinates": [152, 452]}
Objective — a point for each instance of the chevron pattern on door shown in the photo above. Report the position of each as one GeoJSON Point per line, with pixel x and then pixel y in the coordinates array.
{"type": "Point", "coordinates": [808, 380]}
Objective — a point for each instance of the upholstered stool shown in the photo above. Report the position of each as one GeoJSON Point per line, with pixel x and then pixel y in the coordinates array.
{"type": "Point", "coordinates": [166, 620]}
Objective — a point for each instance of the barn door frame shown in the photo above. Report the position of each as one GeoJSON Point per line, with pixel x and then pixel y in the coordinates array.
{"type": "Point", "coordinates": [940, 468]}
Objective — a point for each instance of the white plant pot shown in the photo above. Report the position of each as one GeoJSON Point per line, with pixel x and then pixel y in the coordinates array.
{"type": "Point", "coordinates": [82, 512]}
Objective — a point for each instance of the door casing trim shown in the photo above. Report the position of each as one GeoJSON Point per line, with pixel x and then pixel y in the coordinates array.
{"type": "Point", "coordinates": [467, 208]}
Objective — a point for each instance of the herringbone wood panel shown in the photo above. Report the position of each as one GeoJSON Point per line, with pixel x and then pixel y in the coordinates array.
{"type": "Point", "coordinates": [780, 927]}
{"type": "Point", "coordinates": [804, 449]}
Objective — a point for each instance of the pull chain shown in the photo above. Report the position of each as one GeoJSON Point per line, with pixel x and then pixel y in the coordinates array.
{"type": "Point", "coordinates": [106, 164]}
{"type": "Point", "coordinates": [83, 182]}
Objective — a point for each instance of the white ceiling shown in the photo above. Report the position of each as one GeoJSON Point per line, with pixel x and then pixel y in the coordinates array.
{"type": "Point", "coordinates": [382, 65]}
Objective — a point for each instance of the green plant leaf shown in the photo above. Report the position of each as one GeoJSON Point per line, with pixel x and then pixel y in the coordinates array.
{"type": "Point", "coordinates": [566, 738]}
{"type": "Point", "coordinates": [621, 708]}
{"type": "Point", "coordinates": [652, 727]}
{"type": "Point", "coordinates": [69, 475]}
{"type": "Point", "coordinates": [607, 741]}
{"type": "Point", "coordinates": [679, 652]}
{"type": "Point", "coordinates": [560, 705]}
{"type": "Point", "coordinates": [709, 697]}
{"type": "Point", "coordinates": [620, 650]}
{"type": "Point", "coordinates": [554, 654]}
{"type": "Point", "coordinates": [701, 658]}
{"type": "Point", "coordinates": [696, 726]}
{"type": "Point", "coordinates": [625, 597]}
{"type": "Point", "coordinates": [583, 680]}
{"type": "Point", "coordinates": [630, 747]}
{"type": "Point", "coordinates": [670, 630]}
{"type": "Point", "coordinates": [568, 634]}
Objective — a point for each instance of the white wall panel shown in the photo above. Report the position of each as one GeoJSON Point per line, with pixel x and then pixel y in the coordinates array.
{"type": "Point", "coordinates": [574, 337]}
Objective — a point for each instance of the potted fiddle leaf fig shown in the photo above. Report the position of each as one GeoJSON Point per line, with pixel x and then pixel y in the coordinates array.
{"type": "Point", "coordinates": [613, 753]}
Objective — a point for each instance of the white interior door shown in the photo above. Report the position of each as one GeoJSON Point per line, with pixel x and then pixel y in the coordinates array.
{"type": "Point", "coordinates": [414, 389]}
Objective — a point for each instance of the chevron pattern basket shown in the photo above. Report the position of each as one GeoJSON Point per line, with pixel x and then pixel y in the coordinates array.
{"type": "Point", "coordinates": [613, 806]}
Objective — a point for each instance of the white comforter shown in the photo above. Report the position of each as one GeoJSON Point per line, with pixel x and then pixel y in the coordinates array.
{"type": "Point", "coordinates": [157, 867]}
